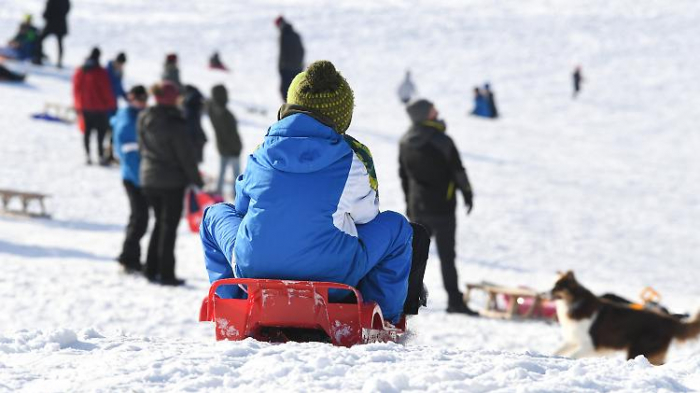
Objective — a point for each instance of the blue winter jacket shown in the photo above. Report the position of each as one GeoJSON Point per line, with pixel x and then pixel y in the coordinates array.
{"type": "Point", "coordinates": [125, 144]}
{"type": "Point", "coordinates": [481, 106]}
{"type": "Point", "coordinates": [115, 79]}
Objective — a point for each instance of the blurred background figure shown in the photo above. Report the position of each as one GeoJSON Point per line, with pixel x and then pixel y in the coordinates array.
{"type": "Point", "coordinates": [491, 101]}
{"type": "Point", "coordinates": [578, 79]}
{"type": "Point", "coordinates": [55, 15]}
{"type": "Point", "coordinates": [431, 172]}
{"type": "Point", "coordinates": [406, 89]}
{"type": "Point", "coordinates": [193, 106]}
{"type": "Point", "coordinates": [481, 104]}
{"type": "Point", "coordinates": [115, 68]}
{"type": "Point", "coordinates": [291, 59]}
{"type": "Point", "coordinates": [171, 72]}
{"type": "Point", "coordinates": [228, 142]}
{"type": "Point", "coordinates": [9, 75]}
{"type": "Point", "coordinates": [23, 44]}
{"type": "Point", "coordinates": [127, 150]}
{"type": "Point", "coordinates": [168, 166]}
{"type": "Point", "coordinates": [215, 62]}
{"type": "Point", "coordinates": [94, 102]}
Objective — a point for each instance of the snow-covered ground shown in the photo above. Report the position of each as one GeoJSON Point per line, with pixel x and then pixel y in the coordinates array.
{"type": "Point", "coordinates": [607, 185]}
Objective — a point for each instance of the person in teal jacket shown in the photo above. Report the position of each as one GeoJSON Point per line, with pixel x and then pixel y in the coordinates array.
{"type": "Point", "coordinates": [307, 207]}
{"type": "Point", "coordinates": [127, 149]}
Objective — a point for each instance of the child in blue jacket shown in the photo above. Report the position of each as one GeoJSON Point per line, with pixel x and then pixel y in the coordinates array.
{"type": "Point", "coordinates": [127, 150]}
{"type": "Point", "coordinates": [307, 207]}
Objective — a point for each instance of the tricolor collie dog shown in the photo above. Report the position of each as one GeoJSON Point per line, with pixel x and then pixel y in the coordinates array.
{"type": "Point", "coordinates": [592, 325]}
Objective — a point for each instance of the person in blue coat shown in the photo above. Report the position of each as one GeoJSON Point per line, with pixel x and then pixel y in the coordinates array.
{"type": "Point", "coordinates": [481, 104]}
{"type": "Point", "coordinates": [115, 69]}
{"type": "Point", "coordinates": [307, 207]}
{"type": "Point", "coordinates": [127, 149]}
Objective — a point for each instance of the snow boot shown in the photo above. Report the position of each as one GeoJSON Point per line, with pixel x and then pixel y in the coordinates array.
{"type": "Point", "coordinates": [456, 306]}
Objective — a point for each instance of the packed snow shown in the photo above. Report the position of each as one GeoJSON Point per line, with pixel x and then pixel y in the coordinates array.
{"type": "Point", "coordinates": [607, 185]}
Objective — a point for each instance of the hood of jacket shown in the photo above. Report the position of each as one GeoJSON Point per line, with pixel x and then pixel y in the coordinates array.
{"type": "Point", "coordinates": [301, 144]}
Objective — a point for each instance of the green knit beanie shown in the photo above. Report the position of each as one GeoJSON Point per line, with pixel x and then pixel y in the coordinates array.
{"type": "Point", "coordinates": [321, 89]}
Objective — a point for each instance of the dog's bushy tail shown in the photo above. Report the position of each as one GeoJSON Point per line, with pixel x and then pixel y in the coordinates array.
{"type": "Point", "coordinates": [688, 330]}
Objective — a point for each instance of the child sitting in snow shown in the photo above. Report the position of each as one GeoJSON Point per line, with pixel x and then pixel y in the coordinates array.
{"type": "Point", "coordinates": [307, 207]}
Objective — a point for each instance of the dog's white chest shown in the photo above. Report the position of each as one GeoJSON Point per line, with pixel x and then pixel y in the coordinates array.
{"type": "Point", "coordinates": [574, 331]}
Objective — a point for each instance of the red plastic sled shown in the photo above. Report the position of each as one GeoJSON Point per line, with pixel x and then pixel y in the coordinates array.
{"type": "Point", "coordinates": [281, 311]}
{"type": "Point", "coordinates": [196, 202]}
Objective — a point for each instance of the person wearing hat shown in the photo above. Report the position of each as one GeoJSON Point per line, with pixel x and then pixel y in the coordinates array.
{"type": "Point", "coordinates": [168, 167]}
{"type": "Point", "coordinates": [55, 15]}
{"type": "Point", "coordinates": [307, 207]}
{"type": "Point", "coordinates": [291, 57]}
{"type": "Point", "coordinates": [94, 102]}
{"type": "Point", "coordinates": [431, 172]}
{"type": "Point", "coordinates": [228, 142]}
{"type": "Point", "coordinates": [127, 150]}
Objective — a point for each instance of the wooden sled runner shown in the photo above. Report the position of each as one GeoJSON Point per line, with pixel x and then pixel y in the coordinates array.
{"type": "Point", "coordinates": [513, 303]}
{"type": "Point", "coordinates": [25, 198]}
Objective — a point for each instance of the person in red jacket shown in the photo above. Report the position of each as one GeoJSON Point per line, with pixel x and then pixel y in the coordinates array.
{"type": "Point", "coordinates": [93, 101]}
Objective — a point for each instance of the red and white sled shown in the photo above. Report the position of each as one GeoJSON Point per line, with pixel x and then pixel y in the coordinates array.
{"type": "Point", "coordinates": [281, 311]}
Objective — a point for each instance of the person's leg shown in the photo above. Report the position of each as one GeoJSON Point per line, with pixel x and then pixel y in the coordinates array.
{"type": "Point", "coordinates": [39, 48]}
{"type": "Point", "coordinates": [444, 231]}
{"type": "Point", "coordinates": [218, 231]}
{"type": "Point", "coordinates": [236, 164]}
{"type": "Point", "coordinates": [138, 224]}
{"type": "Point", "coordinates": [222, 174]}
{"type": "Point", "coordinates": [89, 122]}
{"type": "Point", "coordinates": [417, 295]}
{"type": "Point", "coordinates": [386, 262]}
{"type": "Point", "coordinates": [102, 124]}
{"type": "Point", "coordinates": [173, 201]}
{"type": "Point", "coordinates": [153, 258]}
{"type": "Point", "coordinates": [59, 39]}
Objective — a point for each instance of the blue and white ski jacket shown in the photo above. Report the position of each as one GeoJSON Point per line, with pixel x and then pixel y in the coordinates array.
{"type": "Point", "coordinates": [125, 144]}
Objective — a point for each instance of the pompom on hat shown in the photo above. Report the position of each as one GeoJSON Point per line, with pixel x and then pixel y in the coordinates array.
{"type": "Point", "coordinates": [322, 90]}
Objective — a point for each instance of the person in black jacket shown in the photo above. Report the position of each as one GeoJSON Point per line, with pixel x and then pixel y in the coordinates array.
{"type": "Point", "coordinates": [228, 142]}
{"type": "Point", "coordinates": [291, 60]}
{"type": "Point", "coordinates": [168, 166]}
{"type": "Point", "coordinates": [431, 171]}
{"type": "Point", "coordinates": [55, 15]}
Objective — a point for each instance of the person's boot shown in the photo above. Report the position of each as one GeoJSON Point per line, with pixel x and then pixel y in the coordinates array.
{"type": "Point", "coordinates": [417, 295]}
{"type": "Point", "coordinates": [172, 282]}
{"type": "Point", "coordinates": [456, 306]}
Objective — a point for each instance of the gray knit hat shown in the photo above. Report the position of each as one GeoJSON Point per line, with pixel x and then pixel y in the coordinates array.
{"type": "Point", "coordinates": [419, 110]}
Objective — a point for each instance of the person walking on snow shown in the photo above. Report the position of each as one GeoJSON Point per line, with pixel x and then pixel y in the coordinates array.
{"type": "Point", "coordinates": [431, 171]}
{"type": "Point", "coordinates": [228, 142]}
{"type": "Point", "coordinates": [55, 15]}
{"type": "Point", "coordinates": [127, 150]}
{"type": "Point", "coordinates": [291, 58]}
{"type": "Point", "coordinates": [406, 88]}
{"type": "Point", "coordinates": [307, 207]}
{"type": "Point", "coordinates": [94, 102]}
{"type": "Point", "coordinates": [168, 166]}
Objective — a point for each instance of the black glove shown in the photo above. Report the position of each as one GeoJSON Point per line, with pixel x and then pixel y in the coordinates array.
{"type": "Point", "coordinates": [468, 201]}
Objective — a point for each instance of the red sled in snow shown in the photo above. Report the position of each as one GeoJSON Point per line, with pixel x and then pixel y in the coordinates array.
{"type": "Point", "coordinates": [282, 311]}
{"type": "Point", "coordinates": [196, 202]}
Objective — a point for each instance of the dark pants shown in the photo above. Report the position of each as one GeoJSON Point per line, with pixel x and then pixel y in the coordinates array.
{"type": "Point", "coordinates": [443, 229]}
{"type": "Point", "coordinates": [286, 78]}
{"type": "Point", "coordinates": [138, 224]}
{"type": "Point", "coordinates": [39, 49]}
{"type": "Point", "coordinates": [416, 295]}
{"type": "Point", "coordinates": [98, 121]}
{"type": "Point", "coordinates": [167, 207]}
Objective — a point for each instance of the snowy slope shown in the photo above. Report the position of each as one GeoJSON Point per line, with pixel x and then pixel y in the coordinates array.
{"type": "Point", "coordinates": [607, 185]}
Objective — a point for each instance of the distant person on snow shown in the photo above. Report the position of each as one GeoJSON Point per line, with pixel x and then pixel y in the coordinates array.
{"type": "Point", "coordinates": [406, 88]}
{"type": "Point", "coordinates": [127, 150]}
{"type": "Point", "coordinates": [578, 79]}
{"type": "Point", "coordinates": [228, 142]}
{"type": "Point", "coordinates": [291, 59]}
{"type": "Point", "coordinates": [307, 207]}
{"type": "Point", "coordinates": [168, 166]}
{"type": "Point", "coordinates": [431, 172]}
{"type": "Point", "coordinates": [215, 62]}
{"type": "Point", "coordinates": [171, 72]}
{"type": "Point", "coordinates": [491, 100]}
{"type": "Point", "coordinates": [55, 15]}
{"type": "Point", "coordinates": [23, 44]}
{"type": "Point", "coordinates": [481, 104]}
{"type": "Point", "coordinates": [94, 102]}
{"type": "Point", "coordinates": [115, 69]}
{"type": "Point", "coordinates": [193, 106]}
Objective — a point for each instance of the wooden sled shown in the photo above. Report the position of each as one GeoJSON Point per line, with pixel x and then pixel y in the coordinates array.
{"type": "Point", "coordinates": [25, 198]}
{"type": "Point", "coordinates": [513, 303]}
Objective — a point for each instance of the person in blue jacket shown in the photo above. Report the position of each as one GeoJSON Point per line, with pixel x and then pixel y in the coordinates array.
{"type": "Point", "coordinates": [127, 149]}
{"type": "Point", "coordinates": [307, 207]}
{"type": "Point", "coordinates": [481, 104]}
{"type": "Point", "coordinates": [115, 69]}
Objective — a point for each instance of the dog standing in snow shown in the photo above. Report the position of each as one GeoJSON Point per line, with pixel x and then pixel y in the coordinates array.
{"type": "Point", "coordinates": [591, 325]}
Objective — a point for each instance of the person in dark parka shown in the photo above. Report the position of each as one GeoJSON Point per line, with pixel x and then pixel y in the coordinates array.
{"type": "Point", "coordinates": [193, 105]}
{"type": "Point", "coordinates": [168, 166]}
{"type": "Point", "coordinates": [291, 59]}
{"type": "Point", "coordinates": [431, 171]}
{"type": "Point", "coordinates": [55, 15]}
{"type": "Point", "coordinates": [228, 142]}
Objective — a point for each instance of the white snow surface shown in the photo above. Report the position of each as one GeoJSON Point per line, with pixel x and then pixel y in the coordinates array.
{"type": "Point", "coordinates": [607, 185]}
